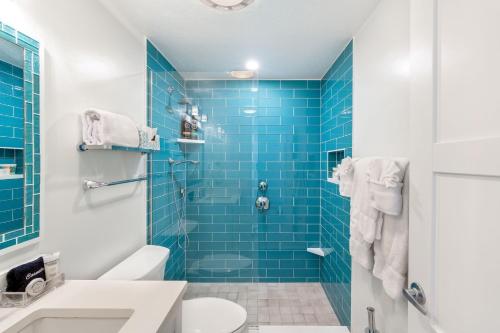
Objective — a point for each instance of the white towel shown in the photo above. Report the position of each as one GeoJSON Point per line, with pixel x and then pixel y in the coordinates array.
{"type": "Point", "coordinates": [344, 173]}
{"type": "Point", "coordinates": [391, 251]}
{"type": "Point", "coordinates": [107, 128]}
{"type": "Point", "coordinates": [148, 138]}
{"type": "Point", "coordinates": [386, 181]}
{"type": "Point", "coordinates": [365, 220]}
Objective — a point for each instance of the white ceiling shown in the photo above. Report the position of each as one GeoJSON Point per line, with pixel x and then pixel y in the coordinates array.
{"type": "Point", "coordinates": [291, 39]}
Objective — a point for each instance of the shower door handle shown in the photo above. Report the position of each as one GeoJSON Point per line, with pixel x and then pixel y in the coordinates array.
{"type": "Point", "coordinates": [415, 295]}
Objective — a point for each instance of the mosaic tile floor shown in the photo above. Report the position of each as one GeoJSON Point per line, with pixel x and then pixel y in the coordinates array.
{"type": "Point", "coordinates": [273, 303]}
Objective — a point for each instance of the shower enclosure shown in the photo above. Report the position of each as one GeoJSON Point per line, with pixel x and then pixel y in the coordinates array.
{"type": "Point", "coordinates": [256, 131]}
{"type": "Point", "coordinates": [239, 206]}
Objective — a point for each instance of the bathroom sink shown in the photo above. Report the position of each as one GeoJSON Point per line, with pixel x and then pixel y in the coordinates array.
{"type": "Point", "coordinates": [72, 320]}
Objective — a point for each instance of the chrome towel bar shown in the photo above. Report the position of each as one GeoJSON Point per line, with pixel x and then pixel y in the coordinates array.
{"type": "Point", "coordinates": [92, 184]}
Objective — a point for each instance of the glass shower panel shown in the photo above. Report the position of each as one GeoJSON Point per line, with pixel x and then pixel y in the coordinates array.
{"type": "Point", "coordinates": [255, 130]}
{"type": "Point", "coordinates": [221, 218]}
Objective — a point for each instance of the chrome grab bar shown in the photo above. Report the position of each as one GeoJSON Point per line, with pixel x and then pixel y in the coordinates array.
{"type": "Point", "coordinates": [92, 184]}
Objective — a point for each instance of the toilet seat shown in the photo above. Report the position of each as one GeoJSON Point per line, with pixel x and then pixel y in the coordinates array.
{"type": "Point", "coordinates": [212, 315]}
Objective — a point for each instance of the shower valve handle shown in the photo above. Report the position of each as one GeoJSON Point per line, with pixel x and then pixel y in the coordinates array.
{"type": "Point", "coordinates": [262, 203]}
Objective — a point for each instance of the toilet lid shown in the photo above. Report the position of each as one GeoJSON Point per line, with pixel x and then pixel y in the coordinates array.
{"type": "Point", "coordinates": [212, 315]}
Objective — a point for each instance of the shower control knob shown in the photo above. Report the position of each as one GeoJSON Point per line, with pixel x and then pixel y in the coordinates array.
{"type": "Point", "coordinates": [262, 203]}
{"type": "Point", "coordinates": [263, 186]}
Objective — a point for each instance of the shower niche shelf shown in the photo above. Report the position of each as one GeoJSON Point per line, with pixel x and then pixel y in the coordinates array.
{"type": "Point", "coordinates": [190, 141]}
{"type": "Point", "coordinates": [8, 177]}
{"type": "Point", "coordinates": [334, 159]}
{"type": "Point", "coordinates": [85, 147]}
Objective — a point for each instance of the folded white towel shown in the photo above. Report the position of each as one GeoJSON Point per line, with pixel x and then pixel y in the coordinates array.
{"type": "Point", "coordinates": [107, 128]}
{"type": "Point", "coordinates": [386, 180]}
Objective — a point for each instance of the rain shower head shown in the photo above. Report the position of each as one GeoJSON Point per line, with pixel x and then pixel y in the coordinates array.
{"type": "Point", "coordinates": [185, 101]}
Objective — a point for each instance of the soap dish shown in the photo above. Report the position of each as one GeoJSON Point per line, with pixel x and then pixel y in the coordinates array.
{"type": "Point", "coordinates": [23, 299]}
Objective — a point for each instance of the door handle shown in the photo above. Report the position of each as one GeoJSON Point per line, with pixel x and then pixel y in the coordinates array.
{"type": "Point", "coordinates": [416, 296]}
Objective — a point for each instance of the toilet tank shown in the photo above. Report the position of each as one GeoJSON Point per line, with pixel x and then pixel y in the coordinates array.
{"type": "Point", "coordinates": [147, 263]}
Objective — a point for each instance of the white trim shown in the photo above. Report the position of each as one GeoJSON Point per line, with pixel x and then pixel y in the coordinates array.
{"type": "Point", "coordinates": [17, 247]}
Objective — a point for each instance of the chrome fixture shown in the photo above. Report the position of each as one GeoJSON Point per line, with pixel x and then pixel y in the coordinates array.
{"type": "Point", "coordinates": [185, 101]}
{"type": "Point", "coordinates": [263, 186]}
{"type": "Point", "coordinates": [173, 162]}
{"type": "Point", "coordinates": [416, 296]}
{"type": "Point", "coordinates": [371, 321]}
{"type": "Point", "coordinates": [170, 91]}
{"type": "Point", "coordinates": [262, 201]}
{"type": "Point", "coordinates": [92, 184]}
{"type": "Point", "coordinates": [227, 5]}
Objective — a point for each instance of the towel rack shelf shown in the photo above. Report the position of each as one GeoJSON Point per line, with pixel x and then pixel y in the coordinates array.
{"type": "Point", "coordinates": [85, 147]}
{"type": "Point", "coordinates": [92, 184]}
{"type": "Point", "coordinates": [190, 141]}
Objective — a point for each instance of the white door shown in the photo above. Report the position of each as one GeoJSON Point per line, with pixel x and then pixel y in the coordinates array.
{"type": "Point", "coordinates": [455, 165]}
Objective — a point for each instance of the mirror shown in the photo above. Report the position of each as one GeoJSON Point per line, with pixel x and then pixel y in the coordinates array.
{"type": "Point", "coordinates": [19, 137]}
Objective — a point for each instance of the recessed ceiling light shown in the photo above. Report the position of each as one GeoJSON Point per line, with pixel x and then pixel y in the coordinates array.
{"type": "Point", "coordinates": [252, 65]}
{"type": "Point", "coordinates": [227, 4]}
{"type": "Point", "coordinates": [242, 74]}
{"type": "Point", "coordinates": [250, 111]}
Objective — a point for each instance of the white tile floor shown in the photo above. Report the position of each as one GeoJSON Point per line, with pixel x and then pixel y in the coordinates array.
{"type": "Point", "coordinates": [302, 329]}
{"type": "Point", "coordinates": [302, 304]}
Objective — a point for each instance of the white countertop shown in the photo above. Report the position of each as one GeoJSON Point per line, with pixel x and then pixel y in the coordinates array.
{"type": "Point", "coordinates": [150, 301]}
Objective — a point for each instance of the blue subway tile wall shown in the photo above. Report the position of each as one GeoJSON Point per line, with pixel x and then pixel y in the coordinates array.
{"type": "Point", "coordinates": [11, 206]}
{"type": "Point", "coordinates": [11, 106]}
{"type": "Point", "coordinates": [256, 130]}
{"type": "Point", "coordinates": [164, 201]}
{"type": "Point", "coordinates": [336, 133]}
{"type": "Point", "coordinates": [12, 136]}
{"type": "Point", "coordinates": [29, 126]}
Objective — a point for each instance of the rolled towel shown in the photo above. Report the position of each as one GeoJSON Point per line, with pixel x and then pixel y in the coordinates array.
{"type": "Point", "coordinates": [107, 128]}
{"type": "Point", "coordinates": [19, 277]}
{"type": "Point", "coordinates": [149, 139]}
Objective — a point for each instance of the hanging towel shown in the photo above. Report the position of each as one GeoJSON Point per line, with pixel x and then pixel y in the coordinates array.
{"type": "Point", "coordinates": [344, 174]}
{"type": "Point", "coordinates": [386, 181]}
{"type": "Point", "coordinates": [107, 128]}
{"type": "Point", "coordinates": [365, 219]}
{"type": "Point", "coordinates": [391, 250]}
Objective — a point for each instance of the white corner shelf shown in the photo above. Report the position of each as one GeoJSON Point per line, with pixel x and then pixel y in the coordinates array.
{"type": "Point", "coordinates": [319, 251]}
{"type": "Point", "coordinates": [8, 177]}
{"type": "Point", "coordinates": [191, 141]}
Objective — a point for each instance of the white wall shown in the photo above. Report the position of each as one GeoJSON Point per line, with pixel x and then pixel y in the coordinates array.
{"type": "Point", "coordinates": [89, 59]}
{"type": "Point", "coordinates": [380, 128]}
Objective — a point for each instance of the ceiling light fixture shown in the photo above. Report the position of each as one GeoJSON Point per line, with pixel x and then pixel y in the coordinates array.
{"type": "Point", "coordinates": [227, 4]}
{"type": "Point", "coordinates": [242, 74]}
{"type": "Point", "coordinates": [252, 65]}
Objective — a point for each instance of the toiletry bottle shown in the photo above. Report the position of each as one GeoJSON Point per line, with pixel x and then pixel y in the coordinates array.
{"type": "Point", "coordinates": [51, 263]}
{"type": "Point", "coordinates": [186, 127]}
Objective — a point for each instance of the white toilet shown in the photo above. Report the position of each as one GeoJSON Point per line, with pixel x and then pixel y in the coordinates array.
{"type": "Point", "coordinates": [199, 315]}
